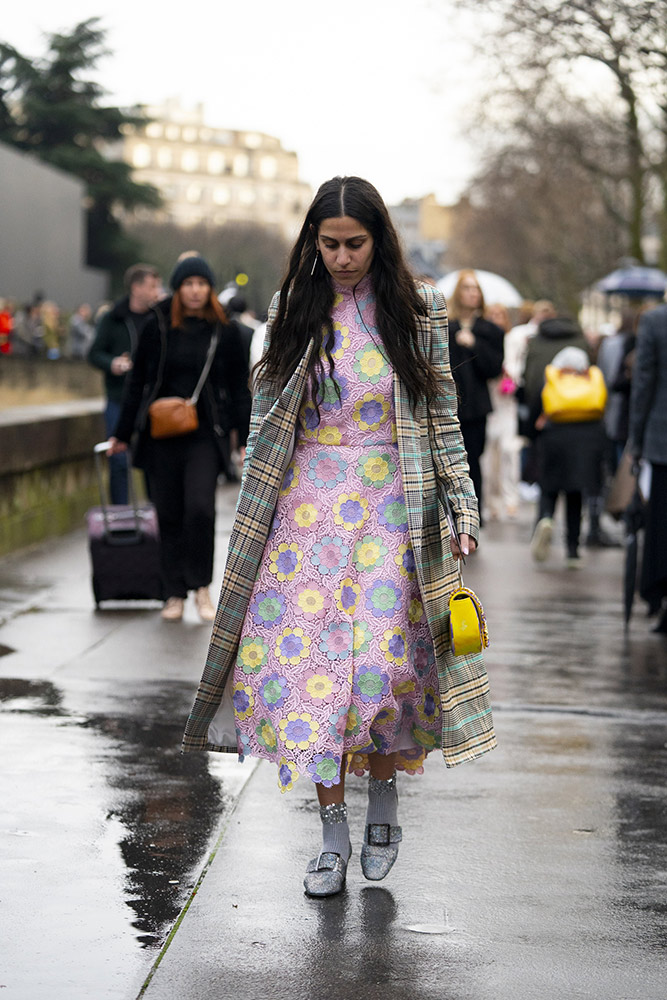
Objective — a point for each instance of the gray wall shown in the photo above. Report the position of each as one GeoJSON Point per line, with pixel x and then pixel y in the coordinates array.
{"type": "Point", "coordinates": [42, 234]}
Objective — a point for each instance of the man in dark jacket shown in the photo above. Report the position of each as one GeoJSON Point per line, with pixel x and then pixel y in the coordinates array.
{"type": "Point", "coordinates": [112, 352]}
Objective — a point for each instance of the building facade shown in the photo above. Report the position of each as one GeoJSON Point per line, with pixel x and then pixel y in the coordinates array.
{"type": "Point", "coordinates": [213, 175]}
{"type": "Point", "coordinates": [425, 227]}
{"type": "Point", "coordinates": [43, 224]}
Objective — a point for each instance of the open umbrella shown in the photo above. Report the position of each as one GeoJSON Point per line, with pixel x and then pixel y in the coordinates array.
{"type": "Point", "coordinates": [634, 522]}
{"type": "Point", "coordinates": [634, 281]}
{"type": "Point", "coordinates": [494, 287]}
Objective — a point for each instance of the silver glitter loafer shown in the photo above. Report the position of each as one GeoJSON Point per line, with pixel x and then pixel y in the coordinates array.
{"type": "Point", "coordinates": [325, 874]}
{"type": "Point", "coordinates": [379, 850]}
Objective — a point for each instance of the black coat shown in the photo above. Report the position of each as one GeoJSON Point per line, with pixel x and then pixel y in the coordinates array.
{"type": "Point", "coordinates": [472, 367]}
{"type": "Point", "coordinates": [570, 457]}
{"type": "Point", "coordinates": [224, 403]}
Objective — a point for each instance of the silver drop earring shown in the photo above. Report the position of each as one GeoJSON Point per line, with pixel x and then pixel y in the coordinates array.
{"type": "Point", "coordinates": [317, 256]}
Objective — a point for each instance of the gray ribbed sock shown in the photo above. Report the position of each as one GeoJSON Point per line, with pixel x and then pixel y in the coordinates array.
{"type": "Point", "coordinates": [382, 801]}
{"type": "Point", "coordinates": [335, 831]}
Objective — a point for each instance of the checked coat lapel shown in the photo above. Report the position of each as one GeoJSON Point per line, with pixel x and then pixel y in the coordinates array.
{"type": "Point", "coordinates": [424, 446]}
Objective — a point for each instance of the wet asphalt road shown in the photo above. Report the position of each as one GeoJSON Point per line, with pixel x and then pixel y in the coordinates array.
{"type": "Point", "coordinates": [540, 870]}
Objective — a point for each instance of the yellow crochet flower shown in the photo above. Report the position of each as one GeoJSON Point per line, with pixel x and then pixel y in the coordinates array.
{"type": "Point", "coordinates": [350, 511]}
{"type": "Point", "coordinates": [299, 729]}
{"type": "Point", "coordinates": [319, 686]}
{"type": "Point", "coordinates": [423, 737]}
{"type": "Point", "coordinates": [252, 655]}
{"type": "Point", "coordinates": [243, 700]}
{"type": "Point", "coordinates": [292, 646]}
{"type": "Point", "coordinates": [394, 646]}
{"type": "Point", "coordinates": [377, 469]}
{"type": "Point", "coordinates": [405, 687]}
{"type": "Point", "coordinates": [347, 596]}
{"type": "Point", "coordinates": [305, 515]}
{"type": "Point", "coordinates": [371, 411]}
{"type": "Point", "coordinates": [342, 340]}
{"type": "Point", "coordinates": [384, 717]}
{"type": "Point", "coordinates": [310, 601]}
{"type": "Point", "coordinates": [285, 561]}
{"type": "Point", "coordinates": [415, 610]}
{"type": "Point", "coordinates": [291, 479]}
{"type": "Point", "coordinates": [361, 637]}
{"type": "Point", "coordinates": [429, 708]}
{"type": "Point", "coordinates": [287, 774]}
{"type": "Point", "coordinates": [405, 564]}
{"type": "Point", "coordinates": [329, 435]}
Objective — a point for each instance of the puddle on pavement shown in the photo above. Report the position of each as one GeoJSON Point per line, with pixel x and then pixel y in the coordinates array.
{"type": "Point", "coordinates": [165, 806]}
{"type": "Point", "coordinates": [35, 697]}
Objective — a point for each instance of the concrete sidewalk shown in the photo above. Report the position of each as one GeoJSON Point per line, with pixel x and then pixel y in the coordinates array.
{"type": "Point", "coordinates": [540, 870]}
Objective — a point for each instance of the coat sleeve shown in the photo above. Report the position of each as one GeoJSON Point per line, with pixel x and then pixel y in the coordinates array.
{"type": "Point", "coordinates": [265, 396]}
{"type": "Point", "coordinates": [644, 378]}
{"type": "Point", "coordinates": [488, 352]}
{"type": "Point", "coordinates": [137, 380]}
{"type": "Point", "coordinates": [100, 354]}
{"type": "Point", "coordinates": [236, 378]}
{"type": "Point", "coordinates": [449, 456]}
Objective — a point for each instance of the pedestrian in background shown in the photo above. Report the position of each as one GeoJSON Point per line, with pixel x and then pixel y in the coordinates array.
{"type": "Point", "coordinates": [648, 439]}
{"type": "Point", "coordinates": [81, 332]}
{"type": "Point", "coordinates": [569, 457]}
{"type": "Point", "coordinates": [500, 462]}
{"type": "Point", "coordinates": [183, 470]}
{"type": "Point", "coordinates": [112, 351]}
{"type": "Point", "coordinates": [476, 356]}
{"type": "Point", "coordinates": [323, 658]}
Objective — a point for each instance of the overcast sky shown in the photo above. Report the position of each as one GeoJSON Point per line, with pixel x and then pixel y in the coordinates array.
{"type": "Point", "coordinates": [379, 88]}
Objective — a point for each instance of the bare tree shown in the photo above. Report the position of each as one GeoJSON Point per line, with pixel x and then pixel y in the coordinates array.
{"type": "Point", "coordinates": [545, 40]}
{"type": "Point", "coordinates": [534, 214]}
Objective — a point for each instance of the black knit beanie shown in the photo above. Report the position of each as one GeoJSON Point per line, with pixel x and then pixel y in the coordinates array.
{"type": "Point", "coordinates": [191, 267]}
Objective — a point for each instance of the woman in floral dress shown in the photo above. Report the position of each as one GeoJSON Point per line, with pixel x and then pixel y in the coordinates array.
{"type": "Point", "coordinates": [335, 668]}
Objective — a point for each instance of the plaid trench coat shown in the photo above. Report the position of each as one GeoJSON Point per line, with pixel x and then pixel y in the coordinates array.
{"type": "Point", "coordinates": [429, 445]}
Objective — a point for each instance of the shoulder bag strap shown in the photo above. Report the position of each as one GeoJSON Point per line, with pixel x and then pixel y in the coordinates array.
{"type": "Point", "coordinates": [215, 337]}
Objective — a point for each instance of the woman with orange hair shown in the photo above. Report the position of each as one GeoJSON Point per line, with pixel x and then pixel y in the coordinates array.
{"type": "Point", "coordinates": [476, 355]}
{"type": "Point", "coordinates": [185, 333]}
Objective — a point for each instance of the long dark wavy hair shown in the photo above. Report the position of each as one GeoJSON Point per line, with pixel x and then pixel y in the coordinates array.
{"type": "Point", "coordinates": [306, 300]}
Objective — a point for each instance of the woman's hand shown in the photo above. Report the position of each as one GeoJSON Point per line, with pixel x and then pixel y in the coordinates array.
{"type": "Point", "coordinates": [468, 546]}
{"type": "Point", "coordinates": [465, 338]}
{"type": "Point", "coordinates": [115, 446]}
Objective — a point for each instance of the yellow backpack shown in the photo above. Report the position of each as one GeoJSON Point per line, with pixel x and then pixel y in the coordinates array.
{"type": "Point", "coordinates": [572, 397]}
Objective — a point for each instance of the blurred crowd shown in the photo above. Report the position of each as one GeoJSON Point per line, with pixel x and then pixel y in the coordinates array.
{"type": "Point", "coordinates": [499, 357]}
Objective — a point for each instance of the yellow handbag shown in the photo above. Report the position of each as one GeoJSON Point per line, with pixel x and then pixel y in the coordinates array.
{"type": "Point", "coordinates": [572, 397]}
{"type": "Point", "coordinates": [468, 632]}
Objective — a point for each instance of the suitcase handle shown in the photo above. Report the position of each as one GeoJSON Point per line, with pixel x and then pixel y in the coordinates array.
{"type": "Point", "coordinates": [101, 449]}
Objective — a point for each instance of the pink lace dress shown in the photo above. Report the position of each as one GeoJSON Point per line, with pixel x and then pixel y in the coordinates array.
{"type": "Point", "coordinates": [335, 656]}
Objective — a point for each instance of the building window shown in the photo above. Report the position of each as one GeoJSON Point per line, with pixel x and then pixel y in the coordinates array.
{"type": "Point", "coordinates": [141, 155]}
{"type": "Point", "coordinates": [241, 165]}
{"type": "Point", "coordinates": [216, 163]}
{"type": "Point", "coordinates": [154, 130]}
{"type": "Point", "coordinates": [247, 196]}
{"type": "Point", "coordinates": [268, 168]}
{"type": "Point", "coordinates": [190, 160]}
{"type": "Point", "coordinates": [172, 132]}
{"type": "Point", "coordinates": [221, 195]}
{"type": "Point", "coordinates": [165, 157]}
{"type": "Point", "coordinates": [193, 193]}
{"type": "Point", "coordinates": [189, 134]}
{"type": "Point", "coordinates": [252, 140]}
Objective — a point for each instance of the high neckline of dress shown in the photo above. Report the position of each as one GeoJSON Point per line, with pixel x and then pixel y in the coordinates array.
{"type": "Point", "coordinates": [350, 291]}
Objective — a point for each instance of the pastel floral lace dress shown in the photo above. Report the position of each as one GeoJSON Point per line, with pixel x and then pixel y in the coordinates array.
{"type": "Point", "coordinates": [335, 656]}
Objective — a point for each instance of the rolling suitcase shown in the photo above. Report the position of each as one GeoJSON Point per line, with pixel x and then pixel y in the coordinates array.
{"type": "Point", "coordinates": [124, 542]}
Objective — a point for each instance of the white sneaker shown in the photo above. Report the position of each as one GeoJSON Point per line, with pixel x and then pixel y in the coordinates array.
{"type": "Point", "coordinates": [173, 609]}
{"type": "Point", "coordinates": [204, 606]}
{"type": "Point", "coordinates": [540, 543]}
